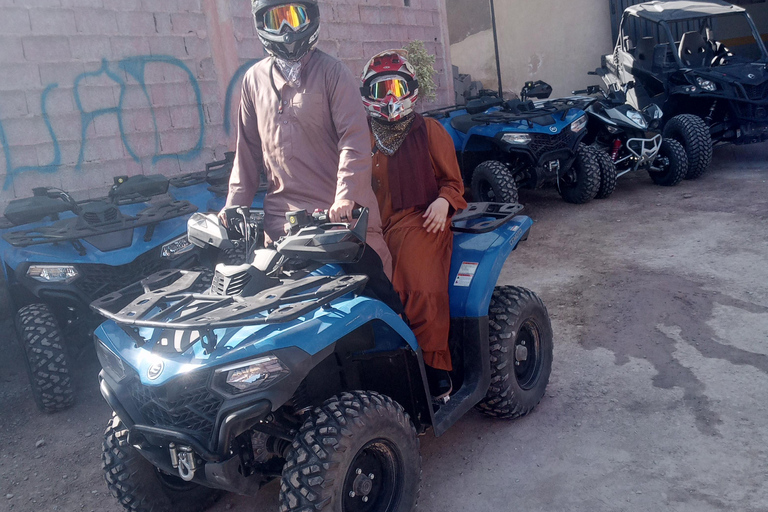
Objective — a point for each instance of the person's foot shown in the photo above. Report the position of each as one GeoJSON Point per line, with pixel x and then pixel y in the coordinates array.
{"type": "Point", "coordinates": [440, 385]}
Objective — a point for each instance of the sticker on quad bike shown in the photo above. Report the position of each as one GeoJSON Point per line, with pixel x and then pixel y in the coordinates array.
{"type": "Point", "coordinates": [466, 274]}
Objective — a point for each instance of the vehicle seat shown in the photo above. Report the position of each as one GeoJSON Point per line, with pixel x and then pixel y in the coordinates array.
{"type": "Point", "coordinates": [645, 49]}
{"type": "Point", "coordinates": [465, 122]}
{"type": "Point", "coordinates": [694, 50]}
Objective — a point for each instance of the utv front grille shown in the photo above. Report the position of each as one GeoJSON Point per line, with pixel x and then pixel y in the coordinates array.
{"type": "Point", "coordinates": [98, 279]}
{"type": "Point", "coordinates": [188, 406]}
{"type": "Point", "coordinates": [541, 143]}
{"type": "Point", "coordinates": [757, 92]}
{"type": "Point", "coordinates": [751, 111]}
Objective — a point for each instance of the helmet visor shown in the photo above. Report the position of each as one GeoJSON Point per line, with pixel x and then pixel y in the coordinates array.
{"type": "Point", "coordinates": [293, 16]}
{"type": "Point", "coordinates": [397, 87]}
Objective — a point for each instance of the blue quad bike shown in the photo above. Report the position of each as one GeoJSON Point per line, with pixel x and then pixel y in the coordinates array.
{"type": "Point", "coordinates": [283, 369]}
{"type": "Point", "coordinates": [506, 145]}
{"type": "Point", "coordinates": [58, 255]}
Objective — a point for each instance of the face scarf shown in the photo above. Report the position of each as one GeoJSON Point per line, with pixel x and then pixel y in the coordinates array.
{"type": "Point", "coordinates": [412, 181]}
{"type": "Point", "coordinates": [291, 71]}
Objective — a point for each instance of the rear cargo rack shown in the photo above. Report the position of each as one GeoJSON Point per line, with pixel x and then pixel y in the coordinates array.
{"type": "Point", "coordinates": [498, 213]}
{"type": "Point", "coordinates": [163, 300]}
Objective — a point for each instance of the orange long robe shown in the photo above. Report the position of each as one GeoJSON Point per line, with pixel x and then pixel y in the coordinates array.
{"type": "Point", "coordinates": [422, 261]}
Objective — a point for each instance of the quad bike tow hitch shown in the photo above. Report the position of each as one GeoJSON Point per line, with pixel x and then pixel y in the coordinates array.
{"type": "Point", "coordinates": [183, 459]}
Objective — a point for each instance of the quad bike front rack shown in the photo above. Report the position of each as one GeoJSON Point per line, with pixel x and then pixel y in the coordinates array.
{"type": "Point", "coordinates": [163, 301]}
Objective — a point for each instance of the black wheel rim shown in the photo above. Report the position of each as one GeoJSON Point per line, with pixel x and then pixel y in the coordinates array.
{"type": "Point", "coordinates": [569, 179]}
{"type": "Point", "coordinates": [374, 480]}
{"type": "Point", "coordinates": [527, 355]}
{"type": "Point", "coordinates": [486, 192]}
{"type": "Point", "coordinates": [662, 163]}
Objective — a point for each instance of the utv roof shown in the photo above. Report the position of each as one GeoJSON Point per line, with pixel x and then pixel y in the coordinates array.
{"type": "Point", "coordinates": [678, 10]}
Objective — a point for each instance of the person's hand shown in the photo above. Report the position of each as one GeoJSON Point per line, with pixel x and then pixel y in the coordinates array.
{"type": "Point", "coordinates": [341, 211]}
{"type": "Point", "coordinates": [436, 215]}
{"type": "Point", "coordinates": [223, 218]}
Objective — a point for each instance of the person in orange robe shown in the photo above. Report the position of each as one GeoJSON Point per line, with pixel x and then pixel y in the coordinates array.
{"type": "Point", "coordinates": [418, 186]}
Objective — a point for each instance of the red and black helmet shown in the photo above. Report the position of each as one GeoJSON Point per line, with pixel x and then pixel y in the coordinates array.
{"type": "Point", "coordinates": [390, 88]}
{"type": "Point", "coordinates": [287, 29]}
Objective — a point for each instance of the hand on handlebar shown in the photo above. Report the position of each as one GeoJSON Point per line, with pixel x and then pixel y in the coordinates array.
{"type": "Point", "coordinates": [223, 217]}
{"type": "Point", "coordinates": [341, 211]}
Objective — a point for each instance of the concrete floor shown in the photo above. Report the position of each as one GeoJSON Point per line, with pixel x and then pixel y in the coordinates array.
{"type": "Point", "coordinates": [659, 303]}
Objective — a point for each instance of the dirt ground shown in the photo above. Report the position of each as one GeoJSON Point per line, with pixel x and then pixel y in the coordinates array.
{"type": "Point", "coordinates": [659, 303]}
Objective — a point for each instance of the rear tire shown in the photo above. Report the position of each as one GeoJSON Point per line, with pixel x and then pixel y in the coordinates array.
{"type": "Point", "coordinates": [607, 175]}
{"type": "Point", "coordinates": [354, 430]}
{"type": "Point", "coordinates": [676, 166]}
{"type": "Point", "coordinates": [46, 357]}
{"type": "Point", "coordinates": [139, 486]}
{"type": "Point", "coordinates": [493, 183]}
{"type": "Point", "coordinates": [585, 182]}
{"type": "Point", "coordinates": [521, 346]}
{"type": "Point", "coordinates": [693, 133]}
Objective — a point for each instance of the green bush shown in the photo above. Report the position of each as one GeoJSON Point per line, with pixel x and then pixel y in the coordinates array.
{"type": "Point", "coordinates": [424, 62]}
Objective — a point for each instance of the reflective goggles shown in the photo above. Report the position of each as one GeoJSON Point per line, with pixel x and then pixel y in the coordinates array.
{"type": "Point", "coordinates": [397, 87]}
{"type": "Point", "coordinates": [292, 15]}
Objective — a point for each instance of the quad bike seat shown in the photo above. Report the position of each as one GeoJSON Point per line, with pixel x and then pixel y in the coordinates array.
{"type": "Point", "coordinates": [464, 123]}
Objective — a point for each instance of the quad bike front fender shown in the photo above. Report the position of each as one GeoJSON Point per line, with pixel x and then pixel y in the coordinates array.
{"type": "Point", "coordinates": [476, 264]}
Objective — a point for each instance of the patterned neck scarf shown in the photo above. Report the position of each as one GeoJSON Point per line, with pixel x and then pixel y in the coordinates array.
{"type": "Point", "coordinates": [291, 71]}
{"type": "Point", "coordinates": [390, 136]}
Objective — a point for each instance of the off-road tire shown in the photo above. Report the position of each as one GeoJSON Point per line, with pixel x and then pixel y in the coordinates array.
{"type": "Point", "coordinates": [607, 175]}
{"type": "Point", "coordinates": [678, 164]}
{"type": "Point", "coordinates": [693, 133]}
{"type": "Point", "coordinates": [494, 177]}
{"type": "Point", "coordinates": [514, 314]}
{"type": "Point", "coordinates": [317, 471]}
{"type": "Point", "coordinates": [46, 357]}
{"type": "Point", "coordinates": [136, 483]}
{"type": "Point", "coordinates": [587, 185]}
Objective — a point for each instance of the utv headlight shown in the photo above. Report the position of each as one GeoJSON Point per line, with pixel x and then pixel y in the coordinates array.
{"type": "Point", "coordinates": [53, 273]}
{"type": "Point", "coordinates": [706, 85]}
{"type": "Point", "coordinates": [516, 138]}
{"type": "Point", "coordinates": [177, 247]}
{"type": "Point", "coordinates": [111, 364]}
{"type": "Point", "coordinates": [637, 118]}
{"type": "Point", "coordinates": [579, 124]}
{"type": "Point", "coordinates": [252, 375]}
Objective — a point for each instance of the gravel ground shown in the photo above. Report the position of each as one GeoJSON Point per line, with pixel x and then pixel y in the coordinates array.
{"type": "Point", "coordinates": [659, 303]}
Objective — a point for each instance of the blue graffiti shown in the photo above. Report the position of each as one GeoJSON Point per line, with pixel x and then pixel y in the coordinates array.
{"type": "Point", "coordinates": [55, 162]}
{"type": "Point", "coordinates": [133, 68]}
{"type": "Point", "coordinates": [237, 79]}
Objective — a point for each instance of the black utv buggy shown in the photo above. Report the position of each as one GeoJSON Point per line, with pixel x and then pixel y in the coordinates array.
{"type": "Point", "coordinates": [704, 63]}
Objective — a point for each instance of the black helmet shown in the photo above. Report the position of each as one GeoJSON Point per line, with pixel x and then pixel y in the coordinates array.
{"type": "Point", "coordinates": [288, 44]}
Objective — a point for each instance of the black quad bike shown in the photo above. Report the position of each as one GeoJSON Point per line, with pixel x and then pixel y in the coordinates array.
{"type": "Point", "coordinates": [284, 370]}
{"type": "Point", "coordinates": [704, 64]}
{"type": "Point", "coordinates": [505, 145]}
{"type": "Point", "coordinates": [630, 140]}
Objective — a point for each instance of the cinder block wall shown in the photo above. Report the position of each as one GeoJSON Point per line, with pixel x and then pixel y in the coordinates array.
{"type": "Point", "coordinates": [92, 89]}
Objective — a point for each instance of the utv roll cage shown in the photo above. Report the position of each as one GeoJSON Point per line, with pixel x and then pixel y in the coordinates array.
{"type": "Point", "coordinates": [691, 15]}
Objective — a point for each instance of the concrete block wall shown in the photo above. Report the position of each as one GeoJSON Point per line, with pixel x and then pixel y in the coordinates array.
{"type": "Point", "coordinates": [92, 89]}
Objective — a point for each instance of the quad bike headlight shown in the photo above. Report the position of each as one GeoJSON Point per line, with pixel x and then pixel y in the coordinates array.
{"type": "Point", "coordinates": [516, 138]}
{"type": "Point", "coordinates": [177, 247]}
{"type": "Point", "coordinates": [53, 273]}
{"type": "Point", "coordinates": [579, 124]}
{"type": "Point", "coordinates": [111, 364]}
{"type": "Point", "coordinates": [637, 118]}
{"type": "Point", "coordinates": [252, 375]}
{"type": "Point", "coordinates": [706, 85]}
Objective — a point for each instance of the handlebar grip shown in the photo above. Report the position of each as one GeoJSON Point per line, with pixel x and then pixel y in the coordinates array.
{"type": "Point", "coordinates": [581, 91]}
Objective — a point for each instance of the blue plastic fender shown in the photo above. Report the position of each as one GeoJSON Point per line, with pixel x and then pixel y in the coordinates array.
{"type": "Point", "coordinates": [476, 264]}
{"type": "Point", "coordinates": [312, 333]}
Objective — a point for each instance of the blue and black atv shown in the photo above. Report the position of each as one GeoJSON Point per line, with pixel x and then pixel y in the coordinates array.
{"type": "Point", "coordinates": [505, 145]}
{"type": "Point", "coordinates": [285, 369]}
{"type": "Point", "coordinates": [58, 255]}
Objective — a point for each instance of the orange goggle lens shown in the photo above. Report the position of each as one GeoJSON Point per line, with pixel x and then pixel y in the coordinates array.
{"type": "Point", "coordinates": [395, 86]}
{"type": "Point", "coordinates": [293, 16]}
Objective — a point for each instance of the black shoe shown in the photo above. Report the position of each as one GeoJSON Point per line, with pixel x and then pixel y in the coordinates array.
{"type": "Point", "coordinates": [440, 385]}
